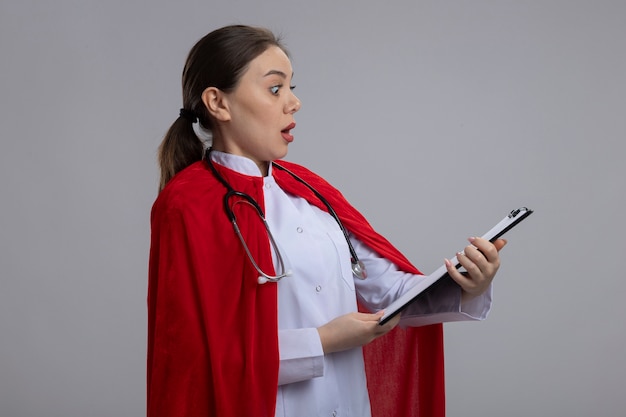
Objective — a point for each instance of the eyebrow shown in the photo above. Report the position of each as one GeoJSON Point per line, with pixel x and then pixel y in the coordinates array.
{"type": "Point", "coordinates": [277, 72]}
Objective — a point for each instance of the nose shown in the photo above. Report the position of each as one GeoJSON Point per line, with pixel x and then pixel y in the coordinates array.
{"type": "Point", "coordinates": [293, 105]}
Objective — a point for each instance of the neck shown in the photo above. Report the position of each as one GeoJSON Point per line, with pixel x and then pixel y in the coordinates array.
{"type": "Point", "coordinates": [263, 167]}
{"type": "Point", "coordinates": [225, 146]}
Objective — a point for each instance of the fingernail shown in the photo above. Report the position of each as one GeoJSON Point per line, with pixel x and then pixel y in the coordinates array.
{"type": "Point", "coordinates": [447, 262]}
{"type": "Point", "coordinates": [471, 239]}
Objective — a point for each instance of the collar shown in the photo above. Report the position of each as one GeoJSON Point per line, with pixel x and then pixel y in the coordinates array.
{"type": "Point", "coordinates": [240, 164]}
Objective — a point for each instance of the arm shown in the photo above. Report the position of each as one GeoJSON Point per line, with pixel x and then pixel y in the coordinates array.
{"type": "Point", "coordinates": [457, 299]}
{"type": "Point", "coordinates": [302, 350]}
{"type": "Point", "coordinates": [301, 355]}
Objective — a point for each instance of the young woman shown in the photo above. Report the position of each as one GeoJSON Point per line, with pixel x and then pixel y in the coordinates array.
{"type": "Point", "coordinates": [248, 318]}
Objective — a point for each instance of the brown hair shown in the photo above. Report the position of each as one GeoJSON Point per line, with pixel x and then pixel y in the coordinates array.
{"type": "Point", "coordinates": [217, 60]}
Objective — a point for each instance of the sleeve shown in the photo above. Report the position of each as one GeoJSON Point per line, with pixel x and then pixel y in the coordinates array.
{"type": "Point", "coordinates": [301, 355]}
{"type": "Point", "coordinates": [439, 304]}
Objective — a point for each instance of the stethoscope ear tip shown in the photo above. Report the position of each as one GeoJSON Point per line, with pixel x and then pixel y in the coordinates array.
{"type": "Point", "coordinates": [262, 280]}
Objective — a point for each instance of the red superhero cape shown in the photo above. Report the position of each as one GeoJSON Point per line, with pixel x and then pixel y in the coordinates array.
{"type": "Point", "coordinates": [212, 330]}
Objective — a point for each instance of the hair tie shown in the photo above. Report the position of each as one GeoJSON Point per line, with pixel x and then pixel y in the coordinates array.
{"type": "Point", "coordinates": [188, 114]}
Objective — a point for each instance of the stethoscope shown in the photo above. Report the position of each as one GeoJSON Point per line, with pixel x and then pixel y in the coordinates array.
{"type": "Point", "coordinates": [358, 268]}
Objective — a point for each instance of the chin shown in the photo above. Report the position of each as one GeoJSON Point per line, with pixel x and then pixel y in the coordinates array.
{"type": "Point", "coordinates": [281, 154]}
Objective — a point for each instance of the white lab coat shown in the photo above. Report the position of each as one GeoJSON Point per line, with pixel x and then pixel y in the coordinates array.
{"type": "Point", "coordinates": [321, 288]}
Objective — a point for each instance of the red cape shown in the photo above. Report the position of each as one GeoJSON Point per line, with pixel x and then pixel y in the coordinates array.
{"type": "Point", "coordinates": [212, 330]}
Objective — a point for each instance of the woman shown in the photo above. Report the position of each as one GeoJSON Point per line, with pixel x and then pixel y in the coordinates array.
{"type": "Point", "coordinates": [264, 321]}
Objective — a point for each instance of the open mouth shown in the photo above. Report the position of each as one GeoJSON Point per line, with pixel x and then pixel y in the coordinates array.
{"type": "Point", "coordinates": [286, 132]}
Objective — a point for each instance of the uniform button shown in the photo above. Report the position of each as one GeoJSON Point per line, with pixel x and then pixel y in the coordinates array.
{"type": "Point", "coordinates": [268, 185]}
{"type": "Point", "coordinates": [318, 288]}
{"type": "Point", "coordinates": [299, 229]}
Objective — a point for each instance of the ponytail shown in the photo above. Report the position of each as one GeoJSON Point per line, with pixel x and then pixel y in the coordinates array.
{"type": "Point", "coordinates": [180, 148]}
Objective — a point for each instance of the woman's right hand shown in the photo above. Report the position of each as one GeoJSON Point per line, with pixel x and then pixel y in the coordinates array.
{"type": "Point", "coordinates": [353, 330]}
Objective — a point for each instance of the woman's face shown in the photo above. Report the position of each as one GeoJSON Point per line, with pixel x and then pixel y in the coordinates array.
{"type": "Point", "coordinates": [259, 111]}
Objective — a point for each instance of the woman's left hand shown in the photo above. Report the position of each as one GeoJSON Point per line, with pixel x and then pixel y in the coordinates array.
{"type": "Point", "coordinates": [481, 261]}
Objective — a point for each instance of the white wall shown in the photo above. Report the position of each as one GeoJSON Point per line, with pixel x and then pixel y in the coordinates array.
{"type": "Point", "coordinates": [434, 118]}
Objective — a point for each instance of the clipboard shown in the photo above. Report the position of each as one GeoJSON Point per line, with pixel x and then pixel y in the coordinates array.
{"type": "Point", "coordinates": [506, 224]}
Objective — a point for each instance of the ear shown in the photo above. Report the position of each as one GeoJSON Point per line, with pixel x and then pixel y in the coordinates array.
{"type": "Point", "coordinates": [216, 103]}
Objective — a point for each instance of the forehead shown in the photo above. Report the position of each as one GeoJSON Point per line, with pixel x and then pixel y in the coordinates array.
{"type": "Point", "coordinates": [272, 60]}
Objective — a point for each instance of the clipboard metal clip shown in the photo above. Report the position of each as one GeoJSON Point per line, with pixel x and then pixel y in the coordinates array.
{"type": "Point", "coordinates": [515, 212]}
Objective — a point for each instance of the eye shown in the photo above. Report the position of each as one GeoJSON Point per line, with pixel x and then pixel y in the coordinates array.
{"type": "Point", "coordinates": [293, 87]}
{"type": "Point", "coordinates": [274, 89]}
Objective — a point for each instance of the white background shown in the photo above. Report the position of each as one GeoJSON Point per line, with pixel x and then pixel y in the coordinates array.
{"type": "Point", "coordinates": [435, 118]}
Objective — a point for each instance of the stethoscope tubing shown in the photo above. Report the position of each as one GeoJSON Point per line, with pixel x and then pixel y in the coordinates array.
{"type": "Point", "coordinates": [358, 268]}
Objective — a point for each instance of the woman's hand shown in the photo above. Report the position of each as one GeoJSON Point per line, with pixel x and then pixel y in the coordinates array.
{"type": "Point", "coordinates": [353, 330]}
{"type": "Point", "coordinates": [481, 261]}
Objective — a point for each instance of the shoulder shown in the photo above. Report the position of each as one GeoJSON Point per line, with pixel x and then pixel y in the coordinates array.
{"type": "Point", "coordinates": [192, 186]}
{"type": "Point", "coordinates": [304, 173]}
{"type": "Point", "coordinates": [293, 167]}
{"type": "Point", "coordinates": [317, 182]}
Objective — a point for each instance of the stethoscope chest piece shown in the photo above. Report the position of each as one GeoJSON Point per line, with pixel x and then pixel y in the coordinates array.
{"type": "Point", "coordinates": [358, 269]}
